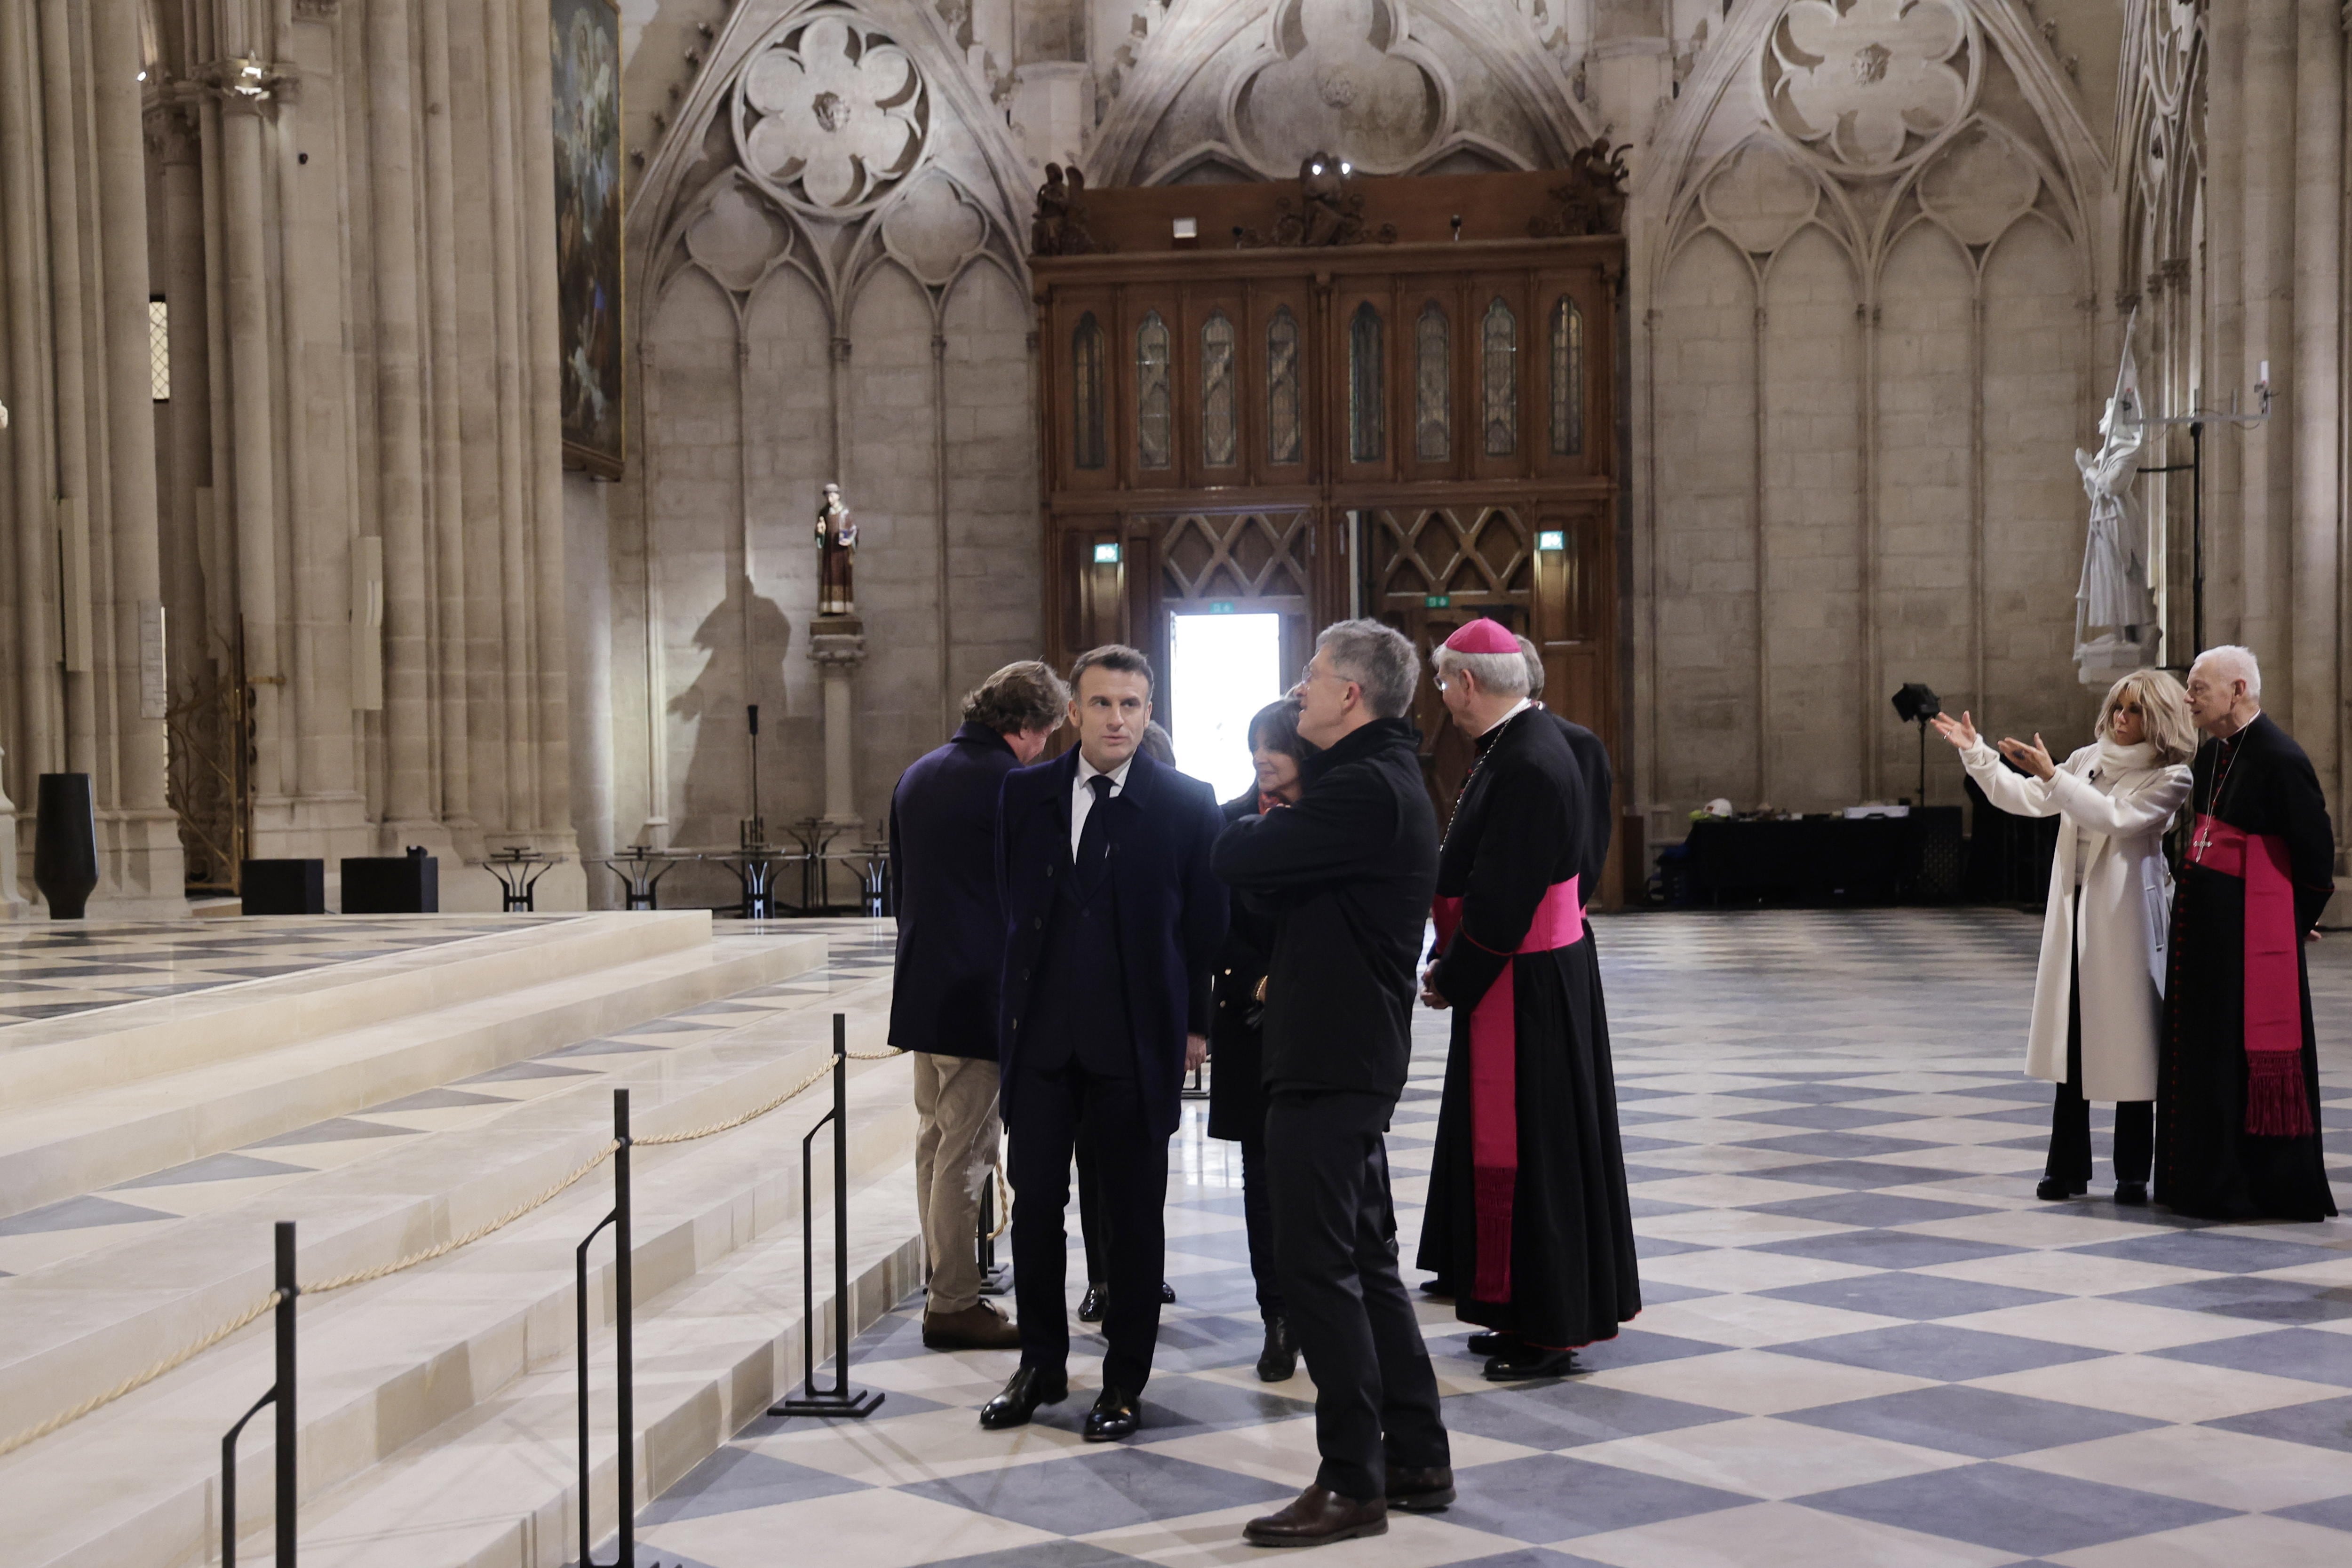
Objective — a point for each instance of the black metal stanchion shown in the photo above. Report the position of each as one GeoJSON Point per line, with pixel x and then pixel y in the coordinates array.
{"type": "Point", "coordinates": [995, 1279]}
{"type": "Point", "coordinates": [624, 1365]}
{"type": "Point", "coordinates": [840, 1399]}
{"type": "Point", "coordinates": [281, 1394]}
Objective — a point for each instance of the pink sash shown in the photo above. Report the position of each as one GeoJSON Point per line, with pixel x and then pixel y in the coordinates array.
{"type": "Point", "coordinates": [1494, 1083]}
{"type": "Point", "coordinates": [2275, 1104]}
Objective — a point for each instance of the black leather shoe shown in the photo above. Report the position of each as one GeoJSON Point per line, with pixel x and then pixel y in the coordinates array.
{"type": "Point", "coordinates": [1493, 1341]}
{"type": "Point", "coordinates": [2057, 1191]}
{"type": "Point", "coordinates": [1090, 1306]}
{"type": "Point", "coordinates": [1319, 1517]}
{"type": "Point", "coordinates": [2131, 1194]}
{"type": "Point", "coordinates": [1524, 1362]}
{"type": "Point", "coordinates": [1167, 1294]}
{"type": "Point", "coordinates": [1279, 1359]}
{"type": "Point", "coordinates": [1438, 1289]}
{"type": "Point", "coordinates": [1024, 1391]}
{"type": "Point", "coordinates": [1114, 1415]}
{"type": "Point", "coordinates": [1422, 1490]}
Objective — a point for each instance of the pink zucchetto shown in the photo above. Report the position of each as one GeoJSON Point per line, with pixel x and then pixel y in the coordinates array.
{"type": "Point", "coordinates": [1482, 635]}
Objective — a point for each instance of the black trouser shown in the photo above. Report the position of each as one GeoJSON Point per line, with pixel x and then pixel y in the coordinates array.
{"type": "Point", "coordinates": [1048, 1112]}
{"type": "Point", "coordinates": [1335, 1236]}
{"type": "Point", "coordinates": [1090, 1215]}
{"type": "Point", "coordinates": [1258, 1213]}
{"type": "Point", "coordinates": [2070, 1116]}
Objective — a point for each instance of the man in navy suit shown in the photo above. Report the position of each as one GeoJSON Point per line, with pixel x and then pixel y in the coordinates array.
{"type": "Point", "coordinates": [943, 996]}
{"type": "Point", "coordinates": [1112, 923]}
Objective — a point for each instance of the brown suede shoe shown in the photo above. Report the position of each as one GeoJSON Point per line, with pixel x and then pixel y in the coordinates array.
{"type": "Point", "coordinates": [979, 1327]}
{"type": "Point", "coordinates": [1319, 1517]}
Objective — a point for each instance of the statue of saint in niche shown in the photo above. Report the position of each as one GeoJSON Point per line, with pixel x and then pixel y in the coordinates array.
{"type": "Point", "coordinates": [836, 548]}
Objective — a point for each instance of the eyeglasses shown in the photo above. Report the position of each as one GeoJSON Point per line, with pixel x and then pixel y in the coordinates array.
{"type": "Point", "coordinates": [1439, 681]}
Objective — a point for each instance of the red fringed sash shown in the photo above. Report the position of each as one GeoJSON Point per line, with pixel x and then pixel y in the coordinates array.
{"type": "Point", "coordinates": [2276, 1106]}
{"type": "Point", "coordinates": [1494, 1083]}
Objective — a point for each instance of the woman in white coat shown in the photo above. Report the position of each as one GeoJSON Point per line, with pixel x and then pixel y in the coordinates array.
{"type": "Point", "coordinates": [2099, 990]}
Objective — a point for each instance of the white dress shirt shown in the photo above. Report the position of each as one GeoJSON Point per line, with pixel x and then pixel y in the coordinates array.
{"type": "Point", "coordinates": [1082, 795]}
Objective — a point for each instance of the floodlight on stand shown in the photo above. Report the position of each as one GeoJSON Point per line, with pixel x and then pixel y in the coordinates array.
{"type": "Point", "coordinates": [1917, 703]}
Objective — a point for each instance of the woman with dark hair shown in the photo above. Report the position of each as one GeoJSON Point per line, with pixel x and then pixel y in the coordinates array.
{"type": "Point", "coordinates": [1236, 1086]}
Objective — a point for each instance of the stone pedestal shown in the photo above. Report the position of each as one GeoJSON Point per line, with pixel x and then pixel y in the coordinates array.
{"type": "Point", "coordinates": [837, 645]}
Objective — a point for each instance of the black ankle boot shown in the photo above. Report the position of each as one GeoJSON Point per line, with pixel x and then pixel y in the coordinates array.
{"type": "Point", "coordinates": [1279, 1359]}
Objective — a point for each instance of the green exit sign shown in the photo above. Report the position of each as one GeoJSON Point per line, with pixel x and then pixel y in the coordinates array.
{"type": "Point", "coordinates": [1220, 606]}
{"type": "Point", "coordinates": [1106, 555]}
{"type": "Point", "coordinates": [1436, 600]}
{"type": "Point", "coordinates": [1552, 539]}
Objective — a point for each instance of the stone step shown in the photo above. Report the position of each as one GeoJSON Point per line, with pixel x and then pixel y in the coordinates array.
{"type": "Point", "coordinates": [64, 1147]}
{"type": "Point", "coordinates": [388, 1364]}
{"type": "Point", "coordinates": [496, 1487]}
{"type": "Point", "coordinates": [138, 1040]}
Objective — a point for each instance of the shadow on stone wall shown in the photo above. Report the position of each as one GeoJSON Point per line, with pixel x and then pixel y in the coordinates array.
{"type": "Point", "coordinates": [717, 791]}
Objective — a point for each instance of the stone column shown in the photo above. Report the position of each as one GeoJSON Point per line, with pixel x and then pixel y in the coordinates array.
{"type": "Point", "coordinates": [837, 645]}
{"type": "Point", "coordinates": [13, 906]}
{"type": "Point", "coordinates": [2313, 401]}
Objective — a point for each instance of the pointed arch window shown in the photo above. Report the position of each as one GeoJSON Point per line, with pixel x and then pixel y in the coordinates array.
{"type": "Point", "coordinates": [1432, 391]}
{"type": "Point", "coordinates": [1367, 422]}
{"type": "Point", "coordinates": [1498, 376]}
{"type": "Point", "coordinates": [1154, 445]}
{"type": "Point", "coordinates": [1220, 431]}
{"type": "Point", "coordinates": [1567, 378]}
{"type": "Point", "coordinates": [1086, 447]}
{"type": "Point", "coordinates": [1282, 388]}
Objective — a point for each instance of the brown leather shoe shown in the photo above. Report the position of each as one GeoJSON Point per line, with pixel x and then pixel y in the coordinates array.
{"type": "Point", "coordinates": [1317, 1518]}
{"type": "Point", "coordinates": [1421, 1490]}
{"type": "Point", "coordinates": [979, 1327]}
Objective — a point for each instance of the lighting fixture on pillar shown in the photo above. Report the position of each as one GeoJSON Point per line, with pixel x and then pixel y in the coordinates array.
{"type": "Point", "coordinates": [246, 78]}
{"type": "Point", "coordinates": [1917, 703]}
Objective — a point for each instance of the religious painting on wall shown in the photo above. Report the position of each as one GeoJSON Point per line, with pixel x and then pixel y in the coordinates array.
{"type": "Point", "coordinates": [587, 99]}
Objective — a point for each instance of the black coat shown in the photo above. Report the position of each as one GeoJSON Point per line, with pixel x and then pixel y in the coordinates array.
{"type": "Point", "coordinates": [1171, 912]}
{"type": "Point", "coordinates": [943, 882]}
{"type": "Point", "coordinates": [1600, 795]}
{"type": "Point", "coordinates": [1237, 1036]}
{"type": "Point", "coordinates": [1348, 872]}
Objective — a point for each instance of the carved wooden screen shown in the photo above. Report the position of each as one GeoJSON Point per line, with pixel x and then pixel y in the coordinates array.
{"type": "Point", "coordinates": [1424, 431]}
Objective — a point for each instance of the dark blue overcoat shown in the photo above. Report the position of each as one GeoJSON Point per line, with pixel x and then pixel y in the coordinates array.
{"type": "Point", "coordinates": [943, 879]}
{"type": "Point", "coordinates": [1172, 910]}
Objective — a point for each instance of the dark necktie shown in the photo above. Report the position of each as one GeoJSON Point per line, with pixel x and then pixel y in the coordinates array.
{"type": "Point", "coordinates": [1093, 838]}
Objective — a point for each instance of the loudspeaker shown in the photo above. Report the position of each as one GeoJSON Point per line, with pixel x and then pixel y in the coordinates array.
{"type": "Point", "coordinates": [283, 887]}
{"type": "Point", "coordinates": [406, 884]}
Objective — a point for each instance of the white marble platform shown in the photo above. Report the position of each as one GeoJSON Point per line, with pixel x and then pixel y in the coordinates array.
{"type": "Point", "coordinates": [157, 1084]}
{"type": "Point", "coordinates": [404, 1369]}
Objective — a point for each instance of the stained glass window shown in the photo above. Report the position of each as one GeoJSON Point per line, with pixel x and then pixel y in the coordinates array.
{"type": "Point", "coordinates": [1567, 378]}
{"type": "Point", "coordinates": [1153, 408]}
{"type": "Point", "coordinates": [1498, 352]}
{"type": "Point", "coordinates": [1282, 388]}
{"type": "Point", "coordinates": [1086, 393]}
{"type": "Point", "coordinates": [1366, 424]}
{"type": "Point", "coordinates": [1432, 400]}
{"type": "Point", "coordinates": [1219, 429]}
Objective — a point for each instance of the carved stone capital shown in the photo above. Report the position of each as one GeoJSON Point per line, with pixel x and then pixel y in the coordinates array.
{"type": "Point", "coordinates": [316, 10]}
{"type": "Point", "coordinates": [250, 86]}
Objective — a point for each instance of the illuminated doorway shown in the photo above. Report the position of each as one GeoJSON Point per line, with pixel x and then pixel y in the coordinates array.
{"type": "Point", "coordinates": [1223, 667]}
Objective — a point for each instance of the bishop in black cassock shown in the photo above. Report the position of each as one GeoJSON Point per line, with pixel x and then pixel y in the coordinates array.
{"type": "Point", "coordinates": [2237, 1133]}
{"type": "Point", "coordinates": [1527, 1216]}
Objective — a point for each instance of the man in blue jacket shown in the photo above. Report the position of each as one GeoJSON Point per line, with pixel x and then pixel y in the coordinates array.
{"type": "Point", "coordinates": [1112, 923]}
{"type": "Point", "coordinates": [943, 999]}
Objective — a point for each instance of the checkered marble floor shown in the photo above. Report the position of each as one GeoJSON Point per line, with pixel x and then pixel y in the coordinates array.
{"type": "Point", "coordinates": [1864, 1341]}
{"type": "Point", "coordinates": [50, 969]}
{"type": "Point", "coordinates": [146, 1207]}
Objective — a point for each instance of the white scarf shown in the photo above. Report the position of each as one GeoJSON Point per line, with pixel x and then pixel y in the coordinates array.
{"type": "Point", "coordinates": [2113, 759]}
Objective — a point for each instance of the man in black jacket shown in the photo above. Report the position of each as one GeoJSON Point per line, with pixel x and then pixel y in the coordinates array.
{"type": "Point", "coordinates": [943, 995]}
{"type": "Point", "coordinates": [1348, 871]}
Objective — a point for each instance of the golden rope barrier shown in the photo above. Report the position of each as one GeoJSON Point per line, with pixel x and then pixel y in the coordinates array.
{"type": "Point", "coordinates": [141, 1379]}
